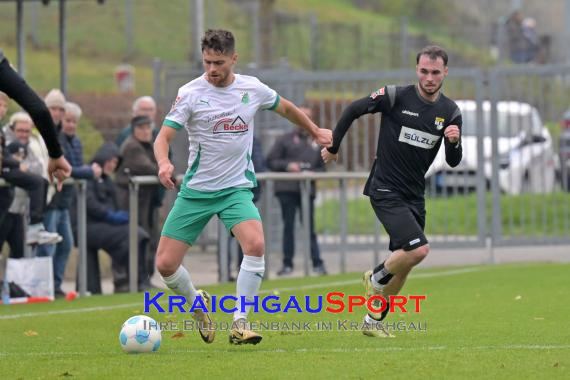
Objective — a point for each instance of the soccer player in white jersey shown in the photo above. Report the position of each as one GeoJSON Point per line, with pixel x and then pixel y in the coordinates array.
{"type": "Point", "coordinates": [217, 110]}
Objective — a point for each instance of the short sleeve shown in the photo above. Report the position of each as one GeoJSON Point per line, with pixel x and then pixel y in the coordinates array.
{"type": "Point", "coordinates": [269, 99]}
{"type": "Point", "coordinates": [181, 110]}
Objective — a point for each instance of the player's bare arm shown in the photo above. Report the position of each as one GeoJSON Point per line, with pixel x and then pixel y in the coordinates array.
{"type": "Point", "coordinates": [289, 111]}
{"type": "Point", "coordinates": [161, 146]}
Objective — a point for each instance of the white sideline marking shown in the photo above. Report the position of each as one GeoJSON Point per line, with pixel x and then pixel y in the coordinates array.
{"type": "Point", "coordinates": [70, 311]}
{"type": "Point", "coordinates": [353, 282]}
{"type": "Point", "coordinates": [268, 291]}
{"type": "Point", "coordinates": [322, 350]}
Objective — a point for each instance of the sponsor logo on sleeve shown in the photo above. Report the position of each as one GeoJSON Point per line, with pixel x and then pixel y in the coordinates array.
{"type": "Point", "coordinates": [377, 93]}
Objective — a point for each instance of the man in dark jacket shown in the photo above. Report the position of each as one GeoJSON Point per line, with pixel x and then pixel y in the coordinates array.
{"type": "Point", "coordinates": [295, 152]}
{"type": "Point", "coordinates": [107, 227]}
{"type": "Point", "coordinates": [138, 159]}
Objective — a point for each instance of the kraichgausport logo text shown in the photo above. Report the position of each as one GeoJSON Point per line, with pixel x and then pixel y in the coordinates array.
{"type": "Point", "coordinates": [333, 302]}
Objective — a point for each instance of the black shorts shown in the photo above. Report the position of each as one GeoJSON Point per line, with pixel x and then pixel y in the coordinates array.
{"type": "Point", "coordinates": [404, 220]}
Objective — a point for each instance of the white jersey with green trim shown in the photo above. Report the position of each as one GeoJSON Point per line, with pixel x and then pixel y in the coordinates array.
{"type": "Point", "coordinates": [219, 121]}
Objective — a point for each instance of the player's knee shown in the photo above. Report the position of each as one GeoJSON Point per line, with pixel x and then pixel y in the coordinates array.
{"type": "Point", "coordinates": [420, 253]}
{"type": "Point", "coordinates": [254, 247]}
{"type": "Point", "coordinates": [165, 265]}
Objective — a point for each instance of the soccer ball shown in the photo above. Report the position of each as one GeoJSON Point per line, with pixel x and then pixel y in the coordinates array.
{"type": "Point", "coordinates": [140, 334]}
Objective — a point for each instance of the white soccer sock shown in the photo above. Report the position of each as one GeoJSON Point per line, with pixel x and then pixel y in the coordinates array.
{"type": "Point", "coordinates": [368, 319]}
{"type": "Point", "coordinates": [181, 284]}
{"type": "Point", "coordinates": [248, 282]}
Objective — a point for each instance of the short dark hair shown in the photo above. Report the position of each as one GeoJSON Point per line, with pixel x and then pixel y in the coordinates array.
{"type": "Point", "coordinates": [433, 51]}
{"type": "Point", "coordinates": [219, 40]}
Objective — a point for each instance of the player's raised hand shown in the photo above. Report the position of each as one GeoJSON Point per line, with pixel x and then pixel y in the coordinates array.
{"type": "Point", "coordinates": [324, 137]}
{"type": "Point", "coordinates": [452, 133]}
{"type": "Point", "coordinates": [165, 171]}
{"type": "Point", "coordinates": [328, 156]}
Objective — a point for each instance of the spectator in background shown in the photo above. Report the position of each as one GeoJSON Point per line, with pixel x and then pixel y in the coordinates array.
{"type": "Point", "coordinates": [146, 106]}
{"type": "Point", "coordinates": [295, 152]}
{"type": "Point", "coordinates": [143, 106]}
{"type": "Point", "coordinates": [12, 226]}
{"type": "Point", "coordinates": [35, 146]}
{"type": "Point", "coordinates": [522, 38]}
{"type": "Point", "coordinates": [19, 135]}
{"type": "Point", "coordinates": [108, 229]}
{"type": "Point", "coordinates": [14, 172]}
{"type": "Point", "coordinates": [55, 102]}
{"type": "Point", "coordinates": [57, 217]}
{"type": "Point", "coordinates": [531, 36]}
{"type": "Point", "coordinates": [12, 85]}
{"type": "Point", "coordinates": [138, 159]}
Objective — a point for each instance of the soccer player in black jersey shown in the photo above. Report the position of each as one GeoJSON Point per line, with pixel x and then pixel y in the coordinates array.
{"type": "Point", "coordinates": [415, 121]}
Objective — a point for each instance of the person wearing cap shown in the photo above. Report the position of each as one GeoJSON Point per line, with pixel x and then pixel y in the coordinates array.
{"type": "Point", "coordinates": [55, 102]}
{"type": "Point", "coordinates": [142, 106]}
{"type": "Point", "coordinates": [138, 159]}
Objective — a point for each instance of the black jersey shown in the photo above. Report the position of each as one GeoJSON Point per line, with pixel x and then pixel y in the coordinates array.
{"type": "Point", "coordinates": [12, 84]}
{"type": "Point", "coordinates": [411, 132]}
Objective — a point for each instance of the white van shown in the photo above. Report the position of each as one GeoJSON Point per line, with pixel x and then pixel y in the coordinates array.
{"type": "Point", "coordinates": [526, 156]}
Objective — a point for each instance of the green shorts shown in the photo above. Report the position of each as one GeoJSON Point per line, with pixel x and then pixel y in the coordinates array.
{"type": "Point", "coordinates": [192, 212]}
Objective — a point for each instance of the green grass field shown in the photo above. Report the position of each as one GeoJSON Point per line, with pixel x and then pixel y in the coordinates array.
{"type": "Point", "coordinates": [488, 322]}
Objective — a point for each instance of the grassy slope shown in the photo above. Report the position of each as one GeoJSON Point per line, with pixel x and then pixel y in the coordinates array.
{"type": "Point", "coordinates": [97, 43]}
{"type": "Point", "coordinates": [524, 215]}
{"type": "Point", "coordinates": [486, 323]}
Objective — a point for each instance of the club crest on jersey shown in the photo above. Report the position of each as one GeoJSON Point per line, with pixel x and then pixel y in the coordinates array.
{"type": "Point", "coordinates": [377, 93]}
{"type": "Point", "coordinates": [228, 125]}
{"type": "Point", "coordinates": [439, 122]}
{"type": "Point", "coordinates": [244, 97]}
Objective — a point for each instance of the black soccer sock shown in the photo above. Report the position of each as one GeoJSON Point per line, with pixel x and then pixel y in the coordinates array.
{"type": "Point", "coordinates": [381, 274]}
